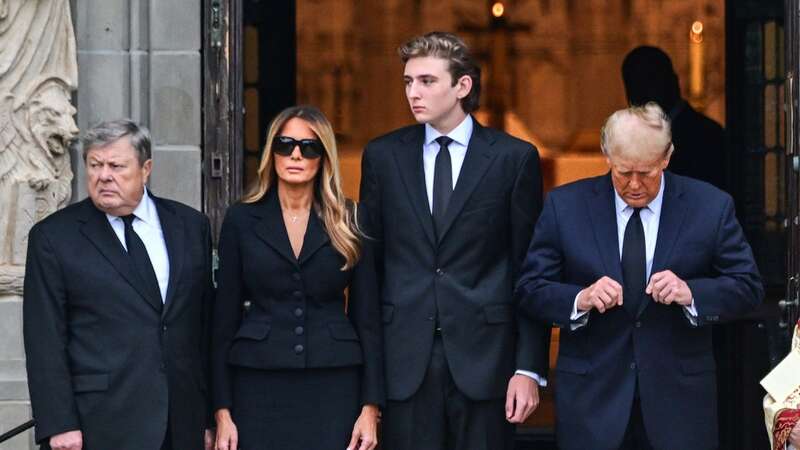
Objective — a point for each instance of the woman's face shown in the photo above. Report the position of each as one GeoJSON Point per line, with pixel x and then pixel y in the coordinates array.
{"type": "Point", "coordinates": [296, 169]}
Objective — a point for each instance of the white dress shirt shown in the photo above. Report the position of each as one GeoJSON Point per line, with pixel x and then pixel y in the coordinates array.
{"type": "Point", "coordinates": [458, 151]}
{"type": "Point", "coordinates": [148, 227]}
{"type": "Point", "coordinates": [651, 218]}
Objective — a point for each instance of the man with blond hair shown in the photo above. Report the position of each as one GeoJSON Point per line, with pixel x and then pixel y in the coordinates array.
{"type": "Point", "coordinates": [634, 266]}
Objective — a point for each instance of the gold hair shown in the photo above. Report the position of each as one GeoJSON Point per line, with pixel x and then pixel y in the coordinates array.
{"type": "Point", "coordinates": [330, 203]}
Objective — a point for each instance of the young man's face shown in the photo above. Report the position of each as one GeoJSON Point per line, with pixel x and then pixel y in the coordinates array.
{"type": "Point", "coordinates": [431, 94]}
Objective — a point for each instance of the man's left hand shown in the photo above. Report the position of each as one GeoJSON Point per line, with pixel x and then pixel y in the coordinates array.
{"type": "Point", "coordinates": [208, 439]}
{"type": "Point", "coordinates": [522, 398]}
{"type": "Point", "coordinates": [667, 288]}
{"type": "Point", "coordinates": [794, 437]}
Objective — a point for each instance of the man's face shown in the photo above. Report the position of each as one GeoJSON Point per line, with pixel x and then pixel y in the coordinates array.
{"type": "Point", "coordinates": [637, 181]}
{"type": "Point", "coordinates": [115, 178]}
{"type": "Point", "coordinates": [431, 95]}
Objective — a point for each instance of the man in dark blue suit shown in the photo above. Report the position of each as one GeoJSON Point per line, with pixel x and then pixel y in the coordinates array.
{"type": "Point", "coordinates": [633, 266]}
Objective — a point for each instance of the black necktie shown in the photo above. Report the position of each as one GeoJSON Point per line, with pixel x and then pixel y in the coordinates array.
{"type": "Point", "coordinates": [634, 264]}
{"type": "Point", "coordinates": [442, 182]}
{"type": "Point", "coordinates": [141, 261]}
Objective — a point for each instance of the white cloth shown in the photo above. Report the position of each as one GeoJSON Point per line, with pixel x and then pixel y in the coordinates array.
{"type": "Point", "coordinates": [148, 226]}
{"type": "Point", "coordinates": [458, 151]}
{"type": "Point", "coordinates": [651, 218]}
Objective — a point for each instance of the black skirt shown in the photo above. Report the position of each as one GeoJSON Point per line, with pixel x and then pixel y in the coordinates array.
{"type": "Point", "coordinates": [289, 409]}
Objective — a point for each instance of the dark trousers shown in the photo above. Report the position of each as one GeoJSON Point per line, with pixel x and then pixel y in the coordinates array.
{"type": "Point", "coordinates": [636, 435]}
{"type": "Point", "coordinates": [440, 417]}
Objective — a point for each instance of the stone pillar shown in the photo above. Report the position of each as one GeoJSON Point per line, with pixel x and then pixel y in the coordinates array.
{"type": "Point", "coordinates": [141, 59]}
{"type": "Point", "coordinates": [38, 73]}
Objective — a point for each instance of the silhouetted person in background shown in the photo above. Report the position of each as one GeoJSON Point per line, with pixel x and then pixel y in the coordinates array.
{"type": "Point", "coordinates": [699, 141]}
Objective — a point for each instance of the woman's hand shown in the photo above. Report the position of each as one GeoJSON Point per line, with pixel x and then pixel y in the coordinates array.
{"type": "Point", "coordinates": [365, 431]}
{"type": "Point", "coordinates": [227, 435]}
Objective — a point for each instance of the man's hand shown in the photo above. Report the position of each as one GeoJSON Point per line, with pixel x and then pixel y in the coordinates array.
{"type": "Point", "coordinates": [227, 435]}
{"type": "Point", "coordinates": [667, 288]}
{"type": "Point", "coordinates": [71, 440]}
{"type": "Point", "coordinates": [365, 430]}
{"type": "Point", "coordinates": [522, 398]}
{"type": "Point", "coordinates": [794, 436]}
{"type": "Point", "coordinates": [603, 295]}
{"type": "Point", "coordinates": [208, 439]}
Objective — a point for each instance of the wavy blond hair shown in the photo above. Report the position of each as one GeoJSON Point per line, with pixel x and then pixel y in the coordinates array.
{"type": "Point", "coordinates": [330, 203]}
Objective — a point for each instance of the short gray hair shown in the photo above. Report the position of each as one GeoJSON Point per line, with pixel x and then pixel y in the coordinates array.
{"type": "Point", "coordinates": [106, 133]}
{"type": "Point", "coordinates": [652, 124]}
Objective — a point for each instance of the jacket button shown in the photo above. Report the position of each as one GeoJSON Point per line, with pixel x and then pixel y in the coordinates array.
{"type": "Point", "coordinates": [164, 328]}
{"type": "Point", "coordinates": [633, 366]}
{"type": "Point", "coordinates": [298, 295]}
{"type": "Point", "coordinates": [439, 272]}
{"type": "Point", "coordinates": [298, 312]}
{"type": "Point", "coordinates": [638, 324]}
{"type": "Point", "coordinates": [298, 331]}
{"type": "Point", "coordinates": [298, 349]}
{"type": "Point", "coordinates": [296, 276]}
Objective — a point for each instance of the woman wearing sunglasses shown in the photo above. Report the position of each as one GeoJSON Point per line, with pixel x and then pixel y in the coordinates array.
{"type": "Point", "coordinates": [296, 364]}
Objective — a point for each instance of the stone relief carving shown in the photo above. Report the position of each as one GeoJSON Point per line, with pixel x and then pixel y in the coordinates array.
{"type": "Point", "coordinates": [38, 72]}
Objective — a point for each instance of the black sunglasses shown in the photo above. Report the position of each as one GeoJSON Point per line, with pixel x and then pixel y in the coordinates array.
{"type": "Point", "coordinates": [309, 148]}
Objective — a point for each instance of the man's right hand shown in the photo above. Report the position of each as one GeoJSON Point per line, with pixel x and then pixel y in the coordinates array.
{"type": "Point", "coordinates": [71, 440]}
{"type": "Point", "coordinates": [603, 295]}
{"type": "Point", "coordinates": [227, 434]}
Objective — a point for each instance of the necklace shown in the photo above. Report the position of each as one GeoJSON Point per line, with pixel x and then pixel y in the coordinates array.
{"type": "Point", "coordinates": [292, 217]}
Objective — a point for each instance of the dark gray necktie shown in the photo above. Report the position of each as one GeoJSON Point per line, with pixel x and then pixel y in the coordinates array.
{"type": "Point", "coordinates": [442, 183]}
{"type": "Point", "coordinates": [140, 259]}
{"type": "Point", "coordinates": [634, 263]}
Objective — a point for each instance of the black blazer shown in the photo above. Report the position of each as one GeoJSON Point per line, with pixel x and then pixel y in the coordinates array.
{"type": "Point", "coordinates": [468, 273]}
{"type": "Point", "coordinates": [102, 355]}
{"type": "Point", "coordinates": [655, 352]}
{"type": "Point", "coordinates": [275, 311]}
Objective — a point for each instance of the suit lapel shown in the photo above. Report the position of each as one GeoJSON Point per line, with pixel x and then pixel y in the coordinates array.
{"type": "Point", "coordinates": [477, 160]}
{"type": "Point", "coordinates": [603, 215]}
{"type": "Point", "coordinates": [314, 239]}
{"type": "Point", "coordinates": [99, 232]}
{"type": "Point", "coordinates": [409, 161]}
{"type": "Point", "coordinates": [174, 236]}
{"type": "Point", "coordinates": [270, 227]}
{"type": "Point", "coordinates": [673, 211]}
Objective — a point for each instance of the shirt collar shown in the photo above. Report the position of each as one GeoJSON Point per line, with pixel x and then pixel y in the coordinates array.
{"type": "Point", "coordinates": [145, 210]}
{"type": "Point", "coordinates": [459, 134]}
{"type": "Point", "coordinates": [654, 206]}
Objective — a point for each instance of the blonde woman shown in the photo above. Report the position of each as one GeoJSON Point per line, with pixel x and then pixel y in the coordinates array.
{"type": "Point", "coordinates": [296, 365]}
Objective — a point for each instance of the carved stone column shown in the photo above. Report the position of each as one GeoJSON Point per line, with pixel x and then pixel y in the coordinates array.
{"type": "Point", "coordinates": [38, 72]}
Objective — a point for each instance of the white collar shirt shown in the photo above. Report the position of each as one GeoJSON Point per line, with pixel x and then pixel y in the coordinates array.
{"type": "Point", "coordinates": [458, 151]}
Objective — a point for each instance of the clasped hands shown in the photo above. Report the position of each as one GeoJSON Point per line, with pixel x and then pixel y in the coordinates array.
{"type": "Point", "coordinates": [665, 287]}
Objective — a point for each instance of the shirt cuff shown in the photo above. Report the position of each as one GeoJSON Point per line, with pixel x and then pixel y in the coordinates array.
{"type": "Point", "coordinates": [691, 313]}
{"type": "Point", "coordinates": [578, 318]}
{"type": "Point", "coordinates": [539, 380]}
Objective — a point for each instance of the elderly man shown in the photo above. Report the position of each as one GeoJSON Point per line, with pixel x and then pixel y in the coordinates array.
{"type": "Point", "coordinates": [633, 266]}
{"type": "Point", "coordinates": [117, 295]}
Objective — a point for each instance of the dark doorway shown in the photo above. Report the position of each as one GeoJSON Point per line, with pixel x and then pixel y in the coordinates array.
{"type": "Point", "coordinates": [269, 66]}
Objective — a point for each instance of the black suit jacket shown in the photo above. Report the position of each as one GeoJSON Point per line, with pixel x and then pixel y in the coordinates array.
{"type": "Point", "coordinates": [654, 353]}
{"type": "Point", "coordinates": [275, 311]}
{"type": "Point", "coordinates": [468, 273]}
{"type": "Point", "coordinates": [103, 356]}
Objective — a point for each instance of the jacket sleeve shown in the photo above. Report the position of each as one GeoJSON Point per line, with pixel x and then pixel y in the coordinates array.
{"type": "Point", "coordinates": [208, 305]}
{"type": "Point", "coordinates": [533, 336]}
{"type": "Point", "coordinates": [734, 286]}
{"type": "Point", "coordinates": [227, 310]}
{"type": "Point", "coordinates": [364, 310]}
{"type": "Point", "coordinates": [541, 293]}
{"type": "Point", "coordinates": [45, 304]}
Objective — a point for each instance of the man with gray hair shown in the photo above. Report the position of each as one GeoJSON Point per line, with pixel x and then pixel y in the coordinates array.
{"type": "Point", "coordinates": [116, 309]}
{"type": "Point", "coordinates": [634, 266]}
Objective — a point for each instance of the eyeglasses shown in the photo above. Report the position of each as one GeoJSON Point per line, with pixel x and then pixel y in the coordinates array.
{"type": "Point", "coordinates": [309, 148]}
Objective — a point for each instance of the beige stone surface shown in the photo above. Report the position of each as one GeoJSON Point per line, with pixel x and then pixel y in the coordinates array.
{"type": "Point", "coordinates": [38, 72]}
